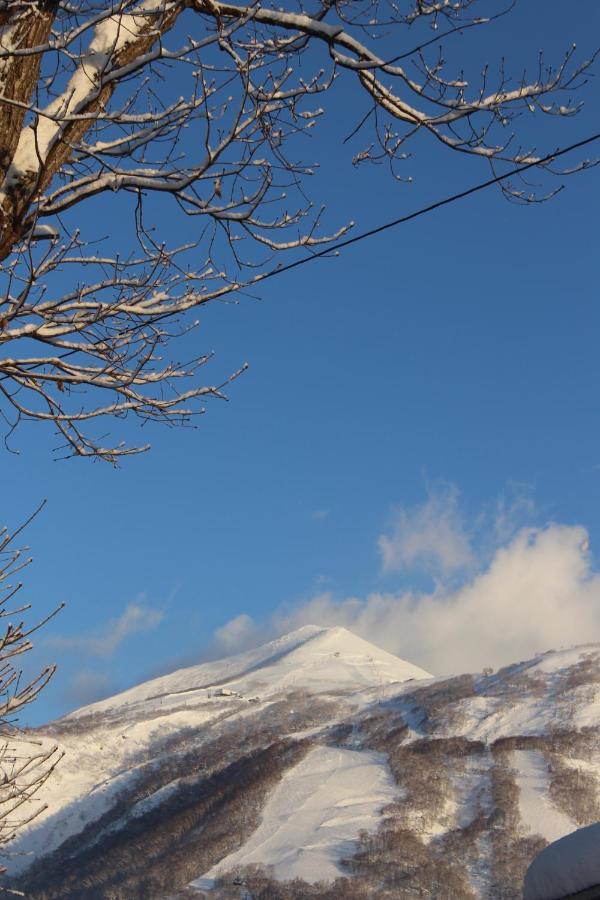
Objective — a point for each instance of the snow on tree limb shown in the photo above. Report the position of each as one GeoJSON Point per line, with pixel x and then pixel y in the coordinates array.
{"type": "Point", "coordinates": [85, 111]}
{"type": "Point", "coordinates": [25, 763]}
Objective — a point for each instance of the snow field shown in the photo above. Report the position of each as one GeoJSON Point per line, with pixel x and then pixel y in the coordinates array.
{"type": "Point", "coordinates": [311, 658]}
{"type": "Point", "coordinates": [106, 743]}
{"type": "Point", "coordinates": [538, 814]}
{"type": "Point", "coordinates": [314, 816]}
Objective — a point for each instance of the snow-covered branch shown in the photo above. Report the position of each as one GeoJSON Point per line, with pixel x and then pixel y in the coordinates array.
{"type": "Point", "coordinates": [25, 763]}
{"type": "Point", "coordinates": [200, 104]}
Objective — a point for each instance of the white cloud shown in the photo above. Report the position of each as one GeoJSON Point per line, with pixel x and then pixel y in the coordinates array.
{"type": "Point", "coordinates": [135, 618]}
{"type": "Point", "coordinates": [513, 509]}
{"type": "Point", "coordinates": [537, 592]}
{"type": "Point", "coordinates": [236, 634]}
{"type": "Point", "coordinates": [431, 536]}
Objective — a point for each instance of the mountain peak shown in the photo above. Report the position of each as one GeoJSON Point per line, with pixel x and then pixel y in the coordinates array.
{"type": "Point", "coordinates": [314, 657]}
{"type": "Point", "coordinates": [286, 757]}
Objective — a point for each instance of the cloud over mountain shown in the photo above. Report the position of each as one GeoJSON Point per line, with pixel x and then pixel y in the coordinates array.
{"type": "Point", "coordinates": [537, 589]}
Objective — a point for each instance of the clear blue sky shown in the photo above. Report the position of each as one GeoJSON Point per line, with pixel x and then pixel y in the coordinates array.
{"type": "Point", "coordinates": [461, 348]}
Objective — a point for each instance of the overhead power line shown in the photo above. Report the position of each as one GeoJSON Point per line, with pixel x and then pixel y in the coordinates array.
{"type": "Point", "coordinates": [401, 220]}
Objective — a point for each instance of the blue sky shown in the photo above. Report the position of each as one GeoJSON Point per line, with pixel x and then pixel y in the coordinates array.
{"type": "Point", "coordinates": [435, 387]}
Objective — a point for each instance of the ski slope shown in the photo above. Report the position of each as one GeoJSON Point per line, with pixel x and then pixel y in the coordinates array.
{"type": "Point", "coordinates": [538, 814]}
{"type": "Point", "coordinates": [134, 763]}
{"type": "Point", "coordinates": [106, 744]}
{"type": "Point", "coordinates": [314, 816]}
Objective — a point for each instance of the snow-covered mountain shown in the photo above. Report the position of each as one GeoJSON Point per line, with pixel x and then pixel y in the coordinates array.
{"type": "Point", "coordinates": [317, 766]}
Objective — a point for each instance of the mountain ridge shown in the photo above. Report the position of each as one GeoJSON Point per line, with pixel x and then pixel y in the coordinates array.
{"type": "Point", "coordinates": [157, 792]}
{"type": "Point", "coordinates": [230, 669]}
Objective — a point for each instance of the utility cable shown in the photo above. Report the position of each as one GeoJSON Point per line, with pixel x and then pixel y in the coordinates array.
{"type": "Point", "coordinates": [333, 249]}
{"type": "Point", "coordinates": [340, 245]}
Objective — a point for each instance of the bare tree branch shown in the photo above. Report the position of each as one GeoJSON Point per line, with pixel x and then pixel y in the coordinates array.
{"type": "Point", "coordinates": [202, 104]}
{"type": "Point", "coordinates": [25, 763]}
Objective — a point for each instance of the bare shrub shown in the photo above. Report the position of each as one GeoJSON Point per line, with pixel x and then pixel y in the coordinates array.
{"type": "Point", "coordinates": [585, 672]}
{"type": "Point", "coordinates": [574, 790]}
{"type": "Point", "coordinates": [167, 847]}
{"type": "Point", "coordinates": [442, 702]}
{"type": "Point", "coordinates": [505, 745]}
{"type": "Point", "coordinates": [258, 883]}
{"type": "Point", "coordinates": [399, 862]}
{"type": "Point", "coordinates": [25, 762]}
